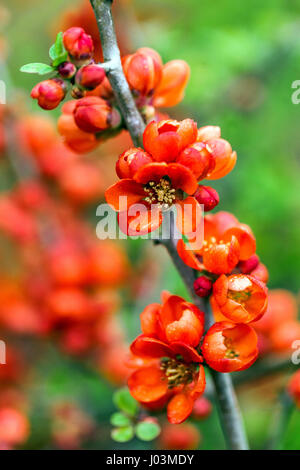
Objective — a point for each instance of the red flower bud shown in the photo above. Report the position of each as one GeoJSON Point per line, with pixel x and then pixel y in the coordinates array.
{"type": "Point", "coordinates": [93, 114]}
{"type": "Point", "coordinates": [143, 70]}
{"type": "Point", "coordinates": [203, 286]}
{"type": "Point", "coordinates": [49, 93]}
{"type": "Point", "coordinates": [202, 408]}
{"type": "Point", "coordinates": [67, 70]}
{"type": "Point", "coordinates": [130, 161]}
{"type": "Point", "coordinates": [90, 76]}
{"type": "Point", "coordinates": [207, 196]}
{"type": "Point", "coordinates": [249, 264]}
{"type": "Point", "coordinates": [78, 43]}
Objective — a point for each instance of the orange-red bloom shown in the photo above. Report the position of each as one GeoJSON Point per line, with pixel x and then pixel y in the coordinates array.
{"type": "Point", "coordinates": [156, 179]}
{"type": "Point", "coordinates": [170, 334]}
{"type": "Point", "coordinates": [49, 93]}
{"type": "Point", "coordinates": [240, 298]}
{"type": "Point", "coordinates": [226, 242]}
{"type": "Point", "coordinates": [230, 347]}
{"type": "Point", "coordinates": [152, 82]}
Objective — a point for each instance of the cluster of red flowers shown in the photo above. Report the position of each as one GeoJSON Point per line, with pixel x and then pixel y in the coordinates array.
{"type": "Point", "coordinates": [176, 157]}
{"type": "Point", "coordinates": [170, 355]}
{"type": "Point", "coordinates": [93, 115]}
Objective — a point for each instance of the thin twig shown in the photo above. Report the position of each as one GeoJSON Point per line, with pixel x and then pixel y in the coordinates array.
{"type": "Point", "coordinates": [111, 53]}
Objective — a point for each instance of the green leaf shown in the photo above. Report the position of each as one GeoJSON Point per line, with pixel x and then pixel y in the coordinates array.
{"type": "Point", "coordinates": [122, 434]}
{"type": "Point", "coordinates": [37, 67]}
{"type": "Point", "coordinates": [60, 59]}
{"type": "Point", "coordinates": [52, 53]}
{"type": "Point", "coordinates": [57, 51]}
{"type": "Point", "coordinates": [119, 420]}
{"type": "Point", "coordinates": [147, 431]}
{"type": "Point", "coordinates": [124, 401]}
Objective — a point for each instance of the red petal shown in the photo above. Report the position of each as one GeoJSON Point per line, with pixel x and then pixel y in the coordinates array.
{"type": "Point", "coordinates": [140, 219]}
{"type": "Point", "coordinates": [179, 408]}
{"type": "Point", "coordinates": [188, 256]}
{"type": "Point", "coordinates": [128, 188]}
{"type": "Point", "coordinates": [148, 384]}
{"type": "Point", "coordinates": [188, 353]}
{"type": "Point", "coordinates": [150, 347]}
{"type": "Point", "coordinates": [189, 219]}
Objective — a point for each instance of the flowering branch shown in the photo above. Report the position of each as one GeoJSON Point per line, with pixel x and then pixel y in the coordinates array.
{"type": "Point", "coordinates": [111, 54]}
{"type": "Point", "coordinates": [228, 407]}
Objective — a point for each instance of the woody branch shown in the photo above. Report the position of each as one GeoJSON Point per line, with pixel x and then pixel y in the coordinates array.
{"type": "Point", "coordinates": [227, 404]}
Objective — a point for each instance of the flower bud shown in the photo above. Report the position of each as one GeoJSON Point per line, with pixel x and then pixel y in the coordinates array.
{"type": "Point", "coordinates": [76, 139]}
{"type": "Point", "coordinates": [143, 70]}
{"type": "Point", "coordinates": [249, 264]}
{"type": "Point", "coordinates": [93, 114]}
{"type": "Point", "coordinates": [203, 286]}
{"type": "Point", "coordinates": [49, 93]}
{"type": "Point", "coordinates": [77, 93]}
{"type": "Point", "coordinates": [202, 408]}
{"type": "Point", "coordinates": [130, 161]}
{"type": "Point", "coordinates": [207, 196]}
{"type": "Point", "coordinates": [78, 43]}
{"type": "Point", "coordinates": [90, 76]}
{"type": "Point", "coordinates": [67, 70]}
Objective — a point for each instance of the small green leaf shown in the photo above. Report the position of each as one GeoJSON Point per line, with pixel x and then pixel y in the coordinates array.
{"type": "Point", "coordinates": [57, 51]}
{"type": "Point", "coordinates": [59, 45]}
{"type": "Point", "coordinates": [147, 431]}
{"type": "Point", "coordinates": [122, 434]}
{"type": "Point", "coordinates": [124, 401]}
{"type": "Point", "coordinates": [119, 420]}
{"type": "Point", "coordinates": [52, 52]}
{"type": "Point", "coordinates": [37, 67]}
{"type": "Point", "coordinates": [60, 59]}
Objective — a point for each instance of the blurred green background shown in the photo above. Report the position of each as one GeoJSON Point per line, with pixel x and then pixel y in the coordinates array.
{"type": "Point", "coordinates": [244, 57]}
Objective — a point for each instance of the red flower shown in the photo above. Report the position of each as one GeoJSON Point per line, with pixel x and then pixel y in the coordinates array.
{"type": "Point", "coordinates": [240, 298]}
{"type": "Point", "coordinates": [226, 241]}
{"type": "Point", "coordinates": [49, 93]}
{"type": "Point", "coordinates": [170, 334]}
{"type": "Point", "coordinates": [230, 347]}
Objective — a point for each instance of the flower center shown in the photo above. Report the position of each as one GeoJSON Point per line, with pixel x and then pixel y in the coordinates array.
{"type": "Point", "coordinates": [230, 352]}
{"type": "Point", "coordinates": [240, 297]}
{"type": "Point", "coordinates": [160, 193]}
{"type": "Point", "coordinates": [176, 372]}
{"type": "Point", "coordinates": [212, 241]}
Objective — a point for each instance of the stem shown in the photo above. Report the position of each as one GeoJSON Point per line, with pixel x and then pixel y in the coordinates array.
{"type": "Point", "coordinates": [228, 408]}
{"type": "Point", "coordinates": [111, 54]}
